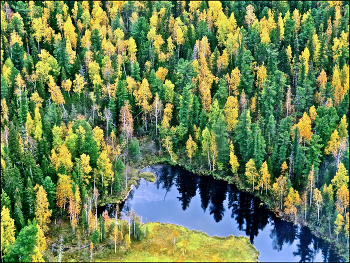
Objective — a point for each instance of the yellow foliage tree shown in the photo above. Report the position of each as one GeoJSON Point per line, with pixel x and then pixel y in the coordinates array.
{"type": "Point", "coordinates": [250, 16]}
{"type": "Point", "coordinates": [336, 147]}
{"type": "Point", "coordinates": [305, 127]}
{"type": "Point", "coordinates": [41, 241]}
{"type": "Point", "coordinates": [67, 85]}
{"type": "Point", "coordinates": [251, 173]}
{"type": "Point", "coordinates": [167, 115]}
{"type": "Point", "coordinates": [261, 75]}
{"type": "Point", "coordinates": [42, 211]}
{"type": "Point", "coordinates": [313, 113]}
{"type": "Point", "coordinates": [74, 207]}
{"type": "Point", "coordinates": [143, 95]}
{"type": "Point", "coordinates": [85, 163]}
{"type": "Point", "coordinates": [233, 160]}
{"type": "Point", "coordinates": [318, 201]}
{"type": "Point", "coordinates": [191, 148]}
{"type": "Point", "coordinates": [69, 32]}
{"type": "Point", "coordinates": [161, 73]}
{"type": "Point", "coordinates": [30, 125]}
{"type": "Point", "coordinates": [62, 156]}
{"type": "Point", "coordinates": [7, 230]}
{"type": "Point", "coordinates": [231, 112]}
{"type": "Point", "coordinates": [280, 188]}
{"type": "Point", "coordinates": [98, 137]}
{"type": "Point", "coordinates": [126, 120]}
{"type": "Point", "coordinates": [213, 150]}
{"type": "Point", "coordinates": [306, 55]}
{"type": "Point", "coordinates": [56, 94]}
{"type": "Point", "coordinates": [78, 84]}
{"type": "Point", "coordinates": [233, 81]}
{"type": "Point", "coordinates": [132, 49]}
{"type": "Point", "coordinates": [340, 177]}
{"type": "Point", "coordinates": [321, 81]}
{"type": "Point", "coordinates": [339, 89]}
{"type": "Point", "coordinates": [265, 177]}
{"type": "Point", "coordinates": [342, 202]}
{"type": "Point", "coordinates": [104, 168]}
{"type": "Point", "coordinates": [63, 190]}
{"type": "Point", "coordinates": [169, 91]}
{"type": "Point", "coordinates": [343, 129]}
{"type": "Point", "coordinates": [168, 144]}
{"type": "Point", "coordinates": [339, 222]}
{"type": "Point", "coordinates": [291, 202]}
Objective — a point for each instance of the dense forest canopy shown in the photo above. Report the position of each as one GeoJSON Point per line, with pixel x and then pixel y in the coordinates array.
{"type": "Point", "coordinates": [254, 92]}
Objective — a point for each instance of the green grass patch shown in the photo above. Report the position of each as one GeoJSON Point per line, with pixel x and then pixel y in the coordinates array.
{"type": "Point", "coordinates": [148, 176]}
{"type": "Point", "coordinates": [169, 242]}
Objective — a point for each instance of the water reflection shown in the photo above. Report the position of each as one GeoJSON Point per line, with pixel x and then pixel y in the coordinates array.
{"type": "Point", "coordinates": [283, 232]}
{"type": "Point", "coordinates": [226, 211]}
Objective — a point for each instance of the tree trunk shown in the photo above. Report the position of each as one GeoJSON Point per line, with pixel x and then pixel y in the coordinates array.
{"type": "Point", "coordinates": [156, 118]}
{"type": "Point", "coordinates": [281, 198]}
{"type": "Point", "coordinates": [209, 161]}
{"type": "Point", "coordinates": [311, 193]}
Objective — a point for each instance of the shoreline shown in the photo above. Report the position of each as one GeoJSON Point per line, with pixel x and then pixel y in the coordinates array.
{"type": "Point", "coordinates": [277, 213]}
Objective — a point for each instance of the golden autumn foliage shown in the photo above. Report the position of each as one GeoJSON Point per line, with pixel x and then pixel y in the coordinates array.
{"type": "Point", "coordinates": [62, 156]}
{"type": "Point", "coordinates": [342, 202]}
{"type": "Point", "coordinates": [42, 211]}
{"type": "Point", "coordinates": [74, 71]}
{"type": "Point", "coordinates": [104, 168]}
{"type": "Point", "coordinates": [167, 116]}
{"type": "Point", "coordinates": [7, 229]}
{"type": "Point", "coordinates": [280, 188]}
{"type": "Point", "coordinates": [317, 197]}
{"type": "Point", "coordinates": [233, 81]}
{"type": "Point", "coordinates": [143, 95]}
{"type": "Point", "coordinates": [69, 32]}
{"type": "Point", "coordinates": [233, 159]}
{"type": "Point", "coordinates": [339, 222]}
{"type": "Point", "coordinates": [85, 163]}
{"type": "Point", "coordinates": [63, 190]}
{"type": "Point", "coordinates": [251, 173]}
{"type": "Point", "coordinates": [305, 127]}
{"type": "Point", "coordinates": [191, 148]}
{"type": "Point", "coordinates": [291, 202]}
{"type": "Point", "coordinates": [126, 120]}
{"type": "Point", "coordinates": [265, 177]}
{"type": "Point", "coordinates": [98, 137]}
{"type": "Point", "coordinates": [78, 84]}
{"type": "Point", "coordinates": [56, 94]}
{"type": "Point", "coordinates": [231, 112]}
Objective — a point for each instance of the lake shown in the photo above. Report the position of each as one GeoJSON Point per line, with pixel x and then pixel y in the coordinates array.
{"type": "Point", "coordinates": [220, 209]}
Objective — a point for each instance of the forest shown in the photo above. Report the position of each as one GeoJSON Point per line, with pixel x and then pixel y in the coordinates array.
{"type": "Point", "coordinates": [253, 92]}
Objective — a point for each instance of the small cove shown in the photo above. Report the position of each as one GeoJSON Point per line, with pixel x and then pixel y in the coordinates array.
{"type": "Point", "coordinates": [220, 209]}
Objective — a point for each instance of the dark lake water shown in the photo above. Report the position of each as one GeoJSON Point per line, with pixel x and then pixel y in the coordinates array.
{"type": "Point", "coordinates": [220, 209]}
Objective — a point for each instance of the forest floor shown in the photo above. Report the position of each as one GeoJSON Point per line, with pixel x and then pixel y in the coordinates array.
{"type": "Point", "coordinates": [166, 242]}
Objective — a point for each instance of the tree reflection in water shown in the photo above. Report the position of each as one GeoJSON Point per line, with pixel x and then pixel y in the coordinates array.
{"type": "Point", "coordinates": [251, 215]}
{"type": "Point", "coordinates": [305, 250]}
{"type": "Point", "coordinates": [186, 184]}
{"type": "Point", "coordinates": [249, 210]}
{"type": "Point", "coordinates": [205, 187]}
{"type": "Point", "coordinates": [283, 232]}
{"type": "Point", "coordinates": [217, 198]}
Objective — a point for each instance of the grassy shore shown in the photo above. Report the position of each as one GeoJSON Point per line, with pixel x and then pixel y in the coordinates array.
{"type": "Point", "coordinates": [169, 242]}
{"type": "Point", "coordinates": [166, 242]}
